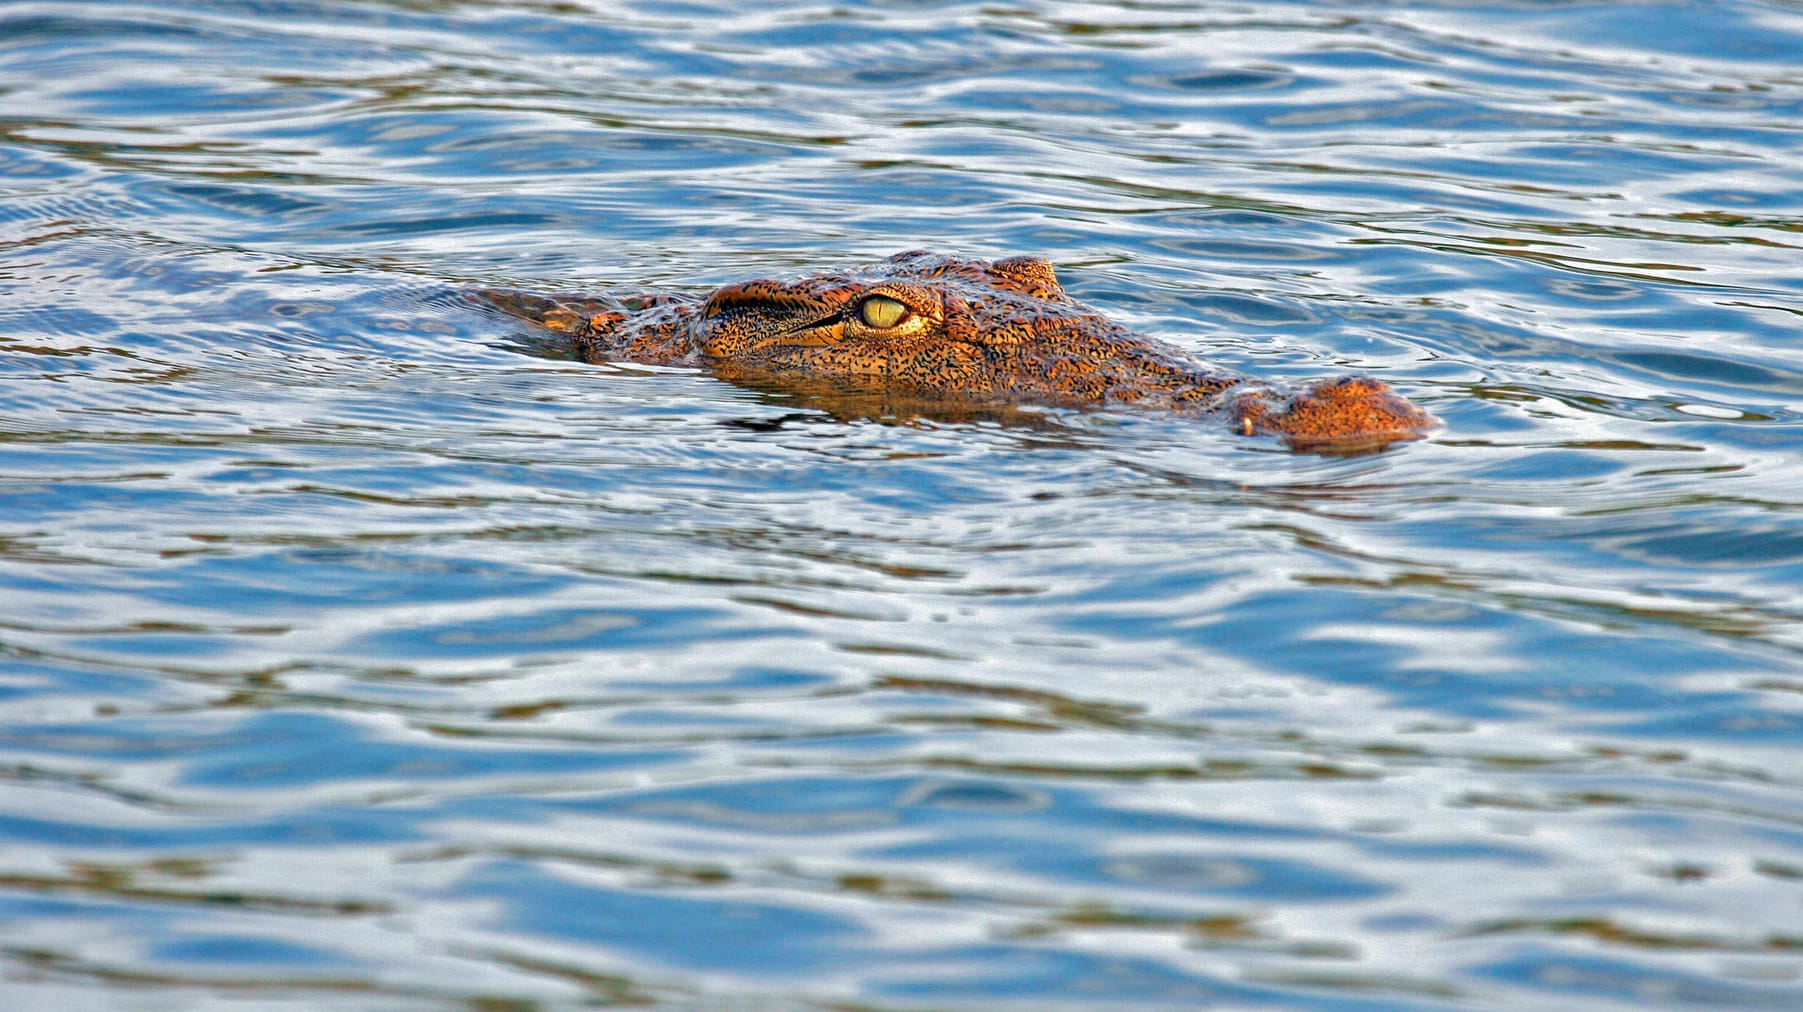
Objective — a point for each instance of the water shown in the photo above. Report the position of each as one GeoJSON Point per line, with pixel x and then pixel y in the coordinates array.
{"type": "Point", "coordinates": [359, 653]}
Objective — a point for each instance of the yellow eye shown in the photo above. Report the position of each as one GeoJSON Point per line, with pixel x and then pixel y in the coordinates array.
{"type": "Point", "coordinates": [882, 312]}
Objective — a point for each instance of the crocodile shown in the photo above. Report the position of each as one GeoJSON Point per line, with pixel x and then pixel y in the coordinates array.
{"type": "Point", "coordinates": [944, 330]}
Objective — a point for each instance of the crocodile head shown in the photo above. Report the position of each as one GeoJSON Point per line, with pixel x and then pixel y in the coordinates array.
{"type": "Point", "coordinates": [927, 328]}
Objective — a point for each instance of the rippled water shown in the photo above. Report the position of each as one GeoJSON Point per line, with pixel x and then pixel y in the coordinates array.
{"type": "Point", "coordinates": [359, 653]}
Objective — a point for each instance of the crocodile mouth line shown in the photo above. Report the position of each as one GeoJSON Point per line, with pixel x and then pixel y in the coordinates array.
{"type": "Point", "coordinates": [807, 334]}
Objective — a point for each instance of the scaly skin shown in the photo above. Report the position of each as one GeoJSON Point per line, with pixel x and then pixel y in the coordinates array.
{"type": "Point", "coordinates": [937, 329]}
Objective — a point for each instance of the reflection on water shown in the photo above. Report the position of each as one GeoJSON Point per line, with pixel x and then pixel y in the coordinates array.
{"type": "Point", "coordinates": [360, 652]}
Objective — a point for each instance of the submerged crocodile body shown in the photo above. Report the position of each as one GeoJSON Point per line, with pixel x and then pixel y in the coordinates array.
{"type": "Point", "coordinates": [942, 330]}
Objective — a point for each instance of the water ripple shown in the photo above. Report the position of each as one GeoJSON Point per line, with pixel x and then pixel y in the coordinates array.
{"type": "Point", "coordinates": [333, 603]}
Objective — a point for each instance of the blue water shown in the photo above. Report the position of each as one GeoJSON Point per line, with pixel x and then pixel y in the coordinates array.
{"type": "Point", "coordinates": [358, 651]}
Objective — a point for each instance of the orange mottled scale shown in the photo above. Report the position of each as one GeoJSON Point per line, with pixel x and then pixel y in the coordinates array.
{"type": "Point", "coordinates": [939, 327]}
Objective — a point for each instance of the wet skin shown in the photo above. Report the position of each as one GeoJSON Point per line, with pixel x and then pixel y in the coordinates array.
{"type": "Point", "coordinates": [939, 330]}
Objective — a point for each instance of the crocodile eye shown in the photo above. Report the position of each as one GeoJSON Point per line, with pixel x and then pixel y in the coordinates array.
{"type": "Point", "coordinates": [882, 312]}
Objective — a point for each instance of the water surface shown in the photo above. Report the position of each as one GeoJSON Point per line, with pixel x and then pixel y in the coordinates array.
{"type": "Point", "coordinates": [358, 652]}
